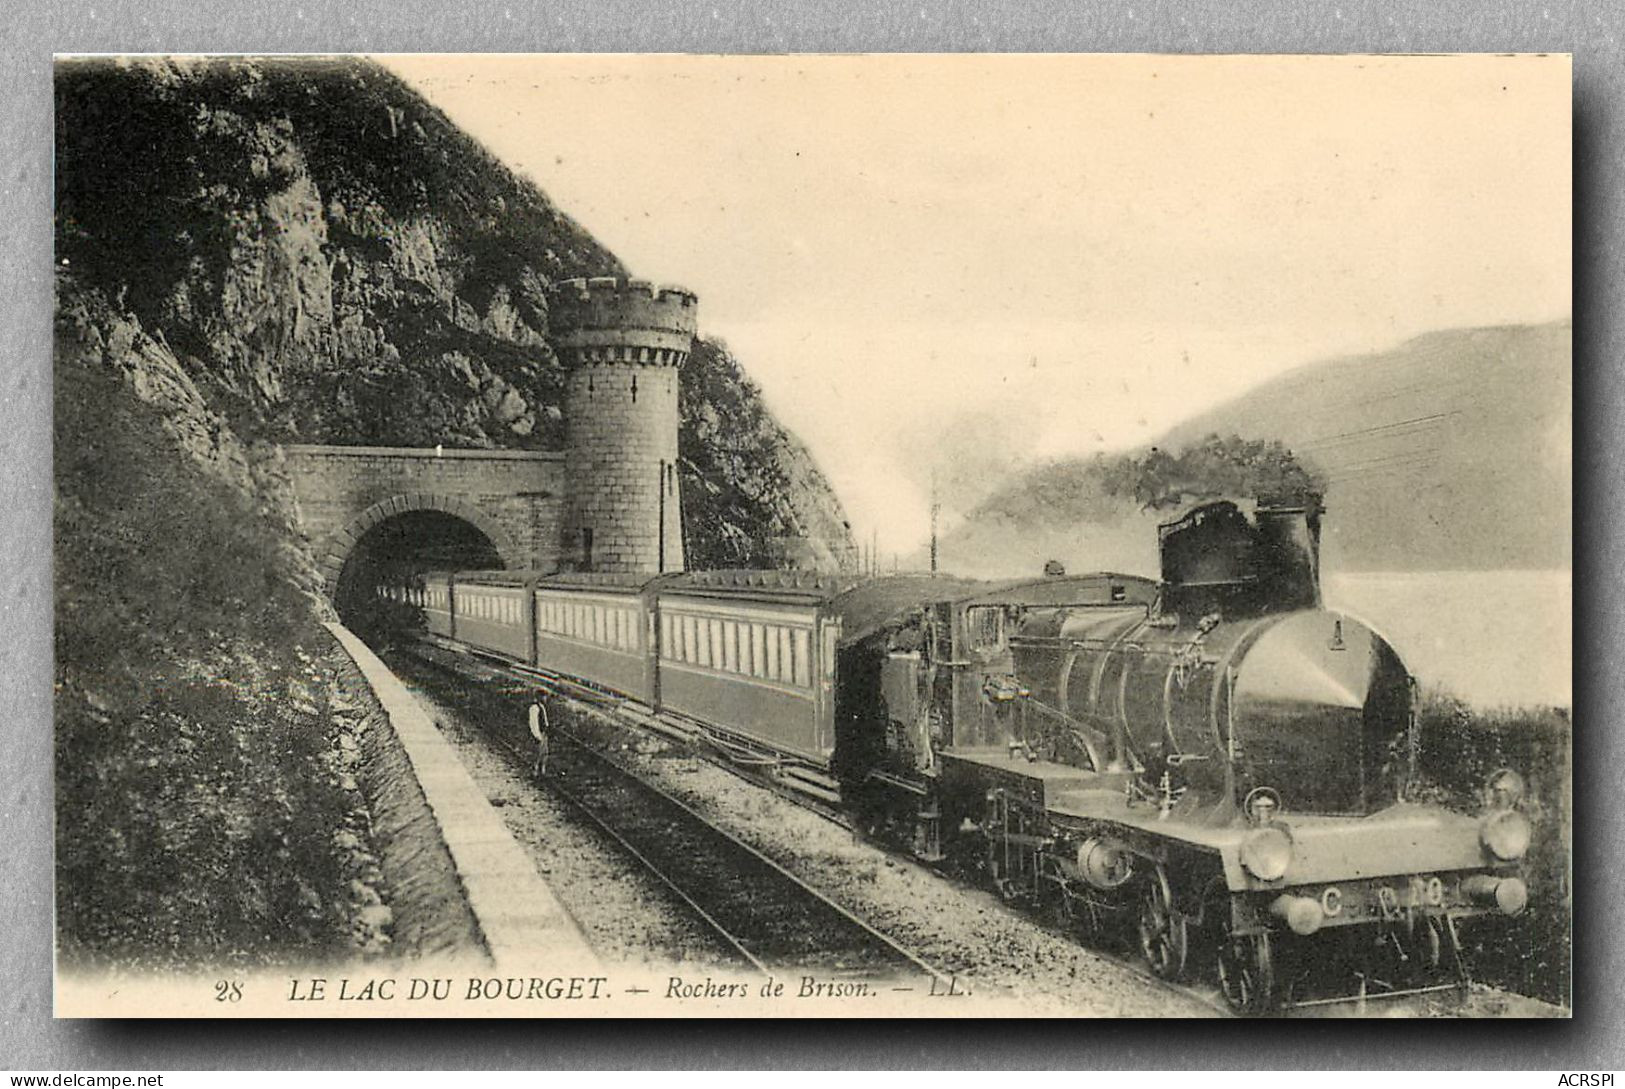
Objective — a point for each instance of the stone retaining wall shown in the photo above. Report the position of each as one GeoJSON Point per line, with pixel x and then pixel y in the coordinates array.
{"type": "Point", "coordinates": [432, 917]}
{"type": "Point", "coordinates": [443, 847]}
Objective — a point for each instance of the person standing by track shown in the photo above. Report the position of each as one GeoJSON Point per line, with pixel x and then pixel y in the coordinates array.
{"type": "Point", "coordinates": [540, 728]}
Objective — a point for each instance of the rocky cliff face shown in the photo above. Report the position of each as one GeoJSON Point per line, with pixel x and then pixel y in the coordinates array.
{"type": "Point", "coordinates": [326, 258]}
{"type": "Point", "coordinates": [752, 496]}
{"type": "Point", "coordinates": [251, 254]}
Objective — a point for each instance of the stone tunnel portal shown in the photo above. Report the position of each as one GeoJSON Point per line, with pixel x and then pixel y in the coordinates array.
{"type": "Point", "coordinates": [405, 545]}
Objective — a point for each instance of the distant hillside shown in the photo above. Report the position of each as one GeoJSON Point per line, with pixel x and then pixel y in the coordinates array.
{"type": "Point", "coordinates": [1451, 451]}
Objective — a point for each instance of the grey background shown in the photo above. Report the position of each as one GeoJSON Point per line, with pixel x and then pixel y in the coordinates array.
{"type": "Point", "coordinates": [30, 1039]}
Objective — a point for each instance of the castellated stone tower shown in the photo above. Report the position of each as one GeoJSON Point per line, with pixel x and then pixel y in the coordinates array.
{"type": "Point", "coordinates": [623, 342]}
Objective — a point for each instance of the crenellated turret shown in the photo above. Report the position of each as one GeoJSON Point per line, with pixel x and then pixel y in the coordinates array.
{"type": "Point", "coordinates": [623, 342]}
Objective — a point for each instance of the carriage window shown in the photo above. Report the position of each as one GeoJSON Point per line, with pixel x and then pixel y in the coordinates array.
{"type": "Point", "coordinates": [803, 657]}
{"type": "Point", "coordinates": [716, 643]}
{"type": "Point", "coordinates": [758, 653]}
{"type": "Point", "coordinates": [730, 646]}
{"type": "Point", "coordinates": [786, 656]}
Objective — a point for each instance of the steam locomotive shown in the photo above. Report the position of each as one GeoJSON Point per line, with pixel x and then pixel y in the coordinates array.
{"type": "Point", "coordinates": [1212, 761]}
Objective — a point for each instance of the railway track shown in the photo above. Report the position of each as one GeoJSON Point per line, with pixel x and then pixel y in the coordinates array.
{"type": "Point", "coordinates": [763, 915]}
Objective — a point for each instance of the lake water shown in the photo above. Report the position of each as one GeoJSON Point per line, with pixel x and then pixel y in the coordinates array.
{"type": "Point", "coordinates": [1493, 638]}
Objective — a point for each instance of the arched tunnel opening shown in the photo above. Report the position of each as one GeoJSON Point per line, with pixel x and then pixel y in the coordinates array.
{"type": "Point", "coordinates": [400, 548]}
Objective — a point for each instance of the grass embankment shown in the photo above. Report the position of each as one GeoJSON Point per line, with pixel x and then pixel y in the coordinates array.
{"type": "Point", "coordinates": [1461, 748]}
{"type": "Point", "coordinates": [198, 786]}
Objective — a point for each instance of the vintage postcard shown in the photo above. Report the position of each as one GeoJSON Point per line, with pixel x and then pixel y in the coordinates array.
{"type": "Point", "coordinates": [858, 536]}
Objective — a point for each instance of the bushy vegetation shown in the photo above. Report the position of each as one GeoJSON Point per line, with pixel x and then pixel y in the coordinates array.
{"type": "Point", "coordinates": [195, 796]}
{"type": "Point", "coordinates": [1461, 748]}
{"type": "Point", "coordinates": [1214, 468]}
{"type": "Point", "coordinates": [1102, 488]}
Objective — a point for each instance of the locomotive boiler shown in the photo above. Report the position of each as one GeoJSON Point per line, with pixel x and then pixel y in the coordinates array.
{"type": "Point", "coordinates": [1216, 759]}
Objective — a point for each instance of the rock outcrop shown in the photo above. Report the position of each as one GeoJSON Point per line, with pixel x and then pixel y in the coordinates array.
{"type": "Point", "coordinates": [328, 259]}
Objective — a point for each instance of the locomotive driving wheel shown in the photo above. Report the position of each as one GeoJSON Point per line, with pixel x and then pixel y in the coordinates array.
{"type": "Point", "coordinates": [1164, 931]}
{"type": "Point", "coordinates": [1247, 972]}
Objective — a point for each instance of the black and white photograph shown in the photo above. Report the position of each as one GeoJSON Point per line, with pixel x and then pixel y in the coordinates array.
{"type": "Point", "coordinates": [858, 536]}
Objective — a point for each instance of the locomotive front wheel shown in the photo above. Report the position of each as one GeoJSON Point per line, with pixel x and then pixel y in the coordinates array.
{"type": "Point", "coordinates": [1247, 972]}
{"type": "Point", "coordinates": [1164, 932]}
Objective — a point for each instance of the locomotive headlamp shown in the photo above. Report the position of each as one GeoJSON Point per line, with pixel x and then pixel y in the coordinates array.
{"type": "Point", "coordinates": [1505, 834]}
{"type": "Point", "coordinates": [1267, 852]}
{"type": "Point", "coordinates": [1503, 789]}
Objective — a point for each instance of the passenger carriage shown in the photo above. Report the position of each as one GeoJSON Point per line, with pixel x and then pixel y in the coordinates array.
{"type": "Point", "coordinates": [598, 628]}
{"type": "Point", "coordinates": [749, 658]}
{"type": "Point", "coordinates": [493, 612]}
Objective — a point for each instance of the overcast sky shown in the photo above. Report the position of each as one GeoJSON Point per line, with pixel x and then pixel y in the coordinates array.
{"type": "Point", "coordinates": [1029, 256]}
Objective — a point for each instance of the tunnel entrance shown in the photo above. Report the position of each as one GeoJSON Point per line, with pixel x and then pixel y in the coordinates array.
{"type": "Point", "coordinates": [405, 545]}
